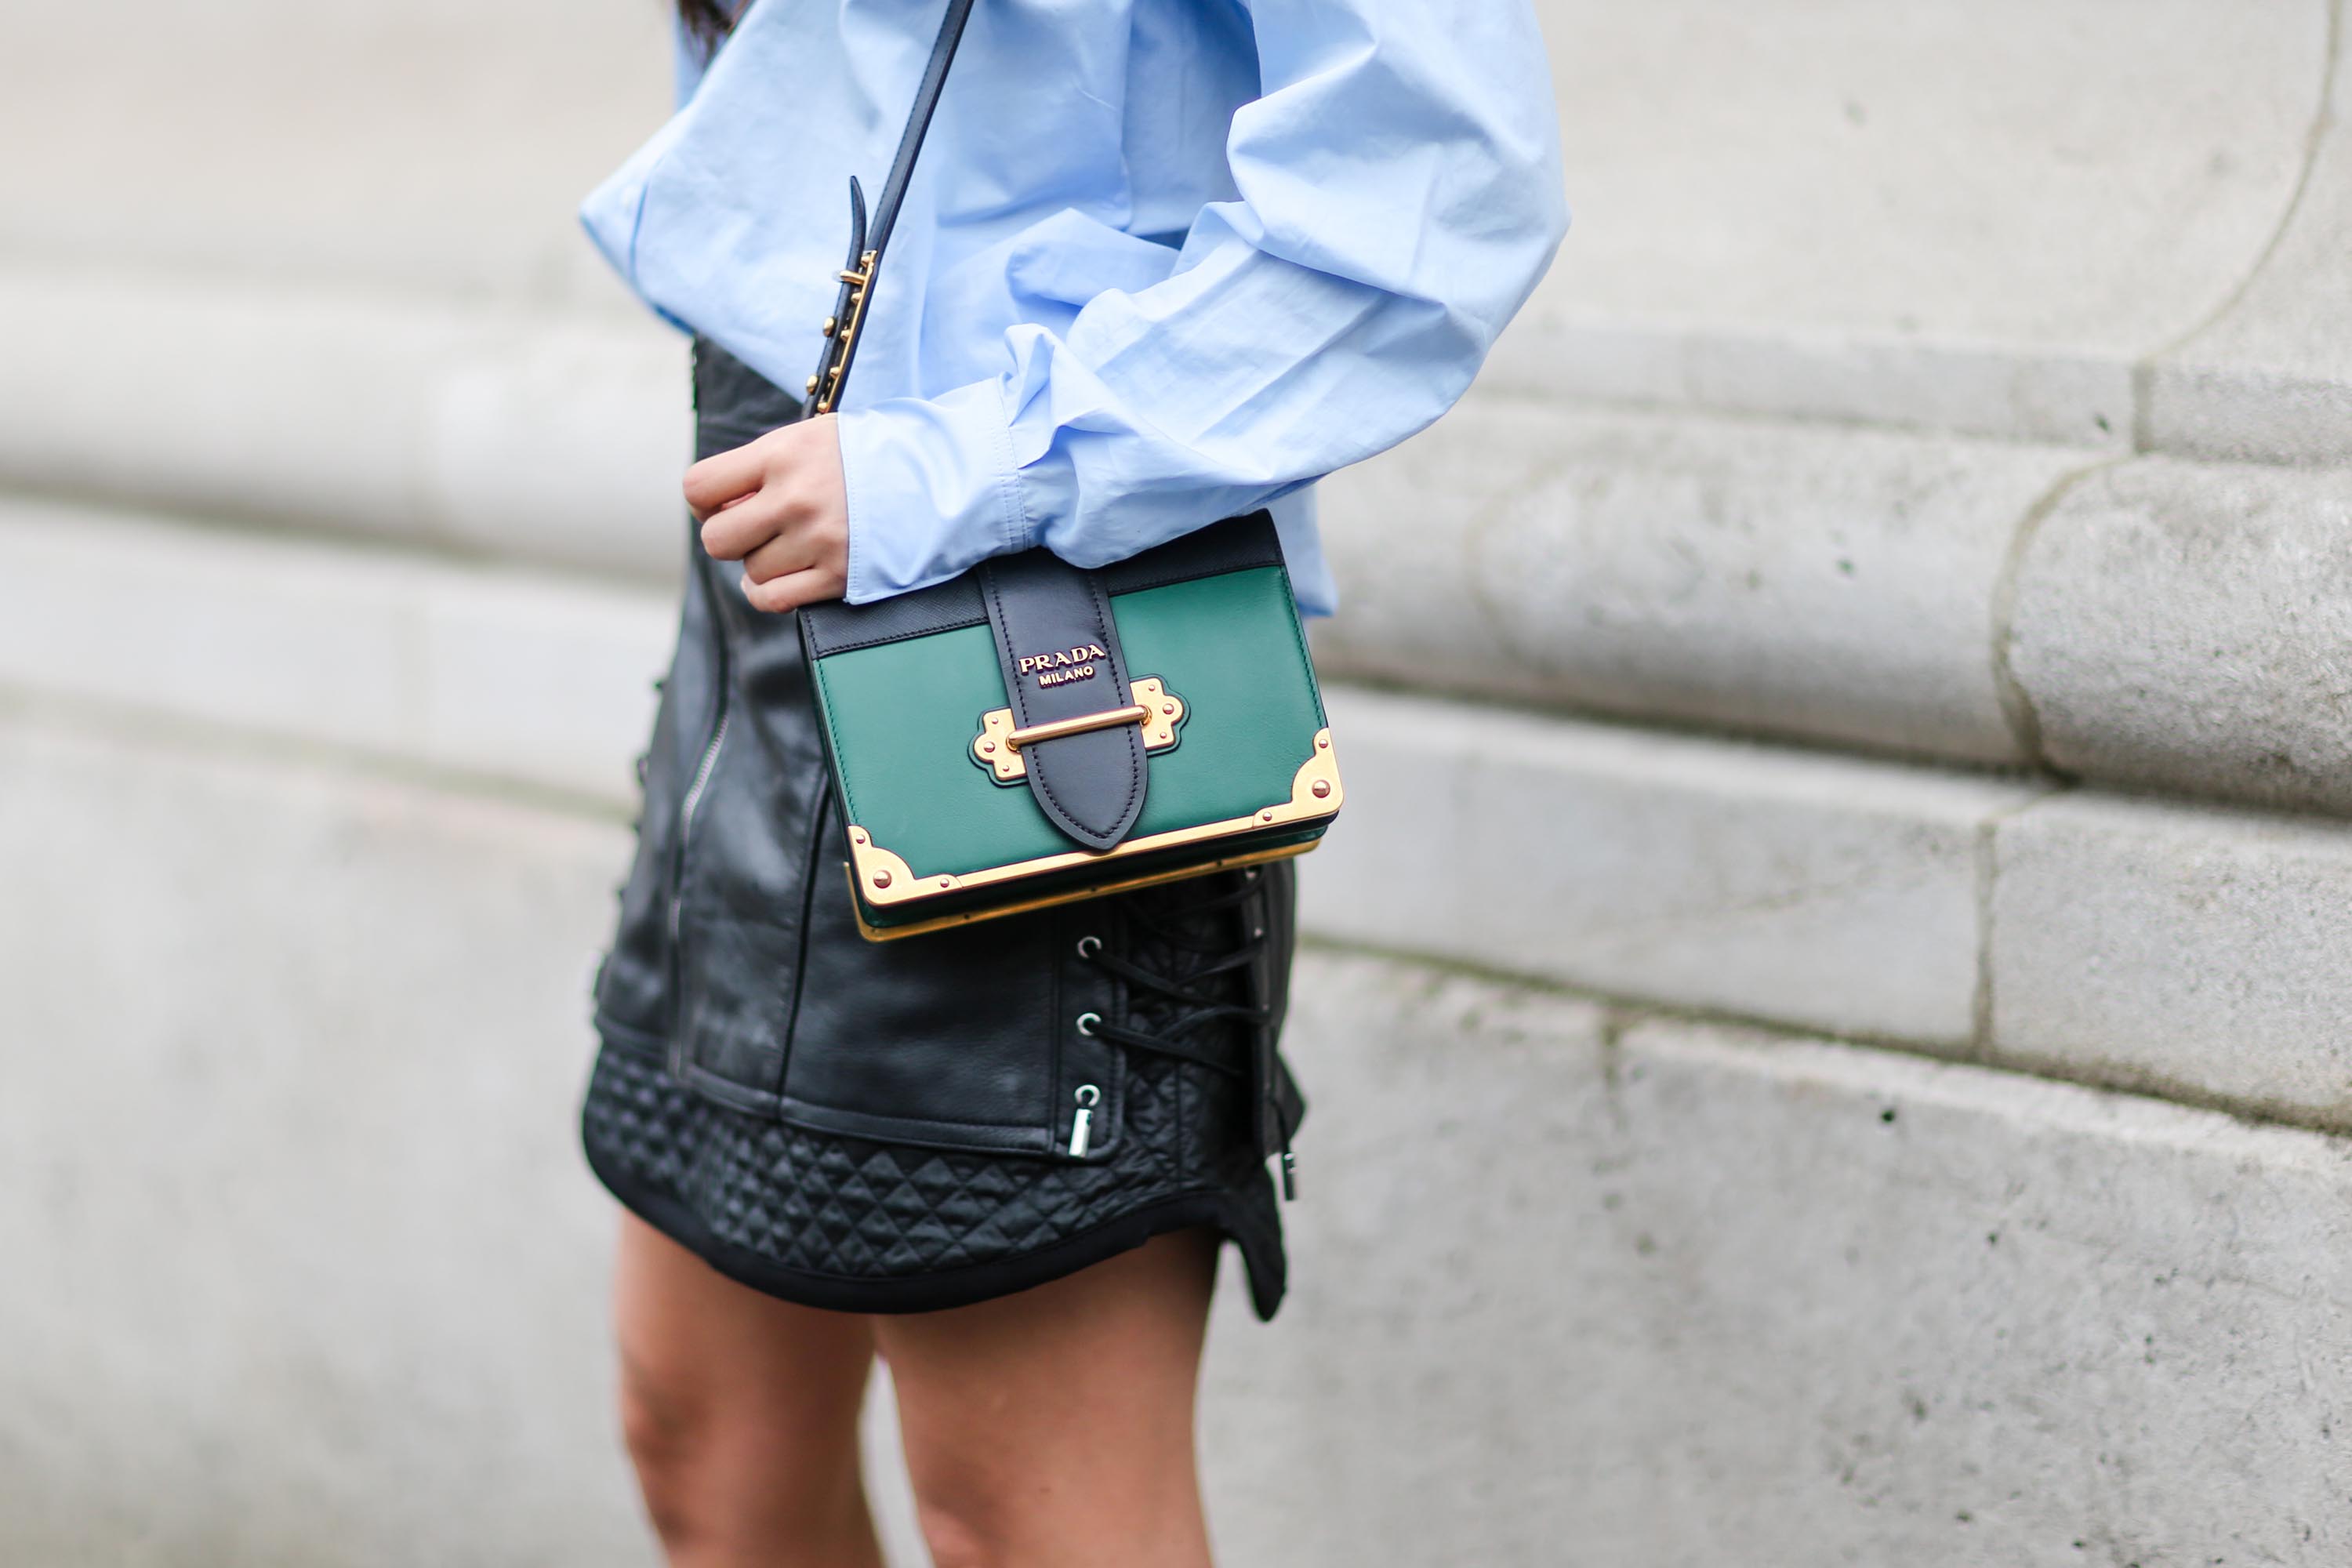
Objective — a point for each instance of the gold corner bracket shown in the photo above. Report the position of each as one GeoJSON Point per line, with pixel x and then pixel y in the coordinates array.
{"type": "Point", "coordinates": [999, 744]}
{"type": "Point", "coordinates": [886, 879]}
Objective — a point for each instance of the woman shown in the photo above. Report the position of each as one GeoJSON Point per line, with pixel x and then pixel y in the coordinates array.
{"type": "Point", "coordinates": [1162, 262]}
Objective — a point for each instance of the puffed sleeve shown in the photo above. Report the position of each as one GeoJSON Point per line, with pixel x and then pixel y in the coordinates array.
{"type": "Point", "coordinates": [1400, 194]}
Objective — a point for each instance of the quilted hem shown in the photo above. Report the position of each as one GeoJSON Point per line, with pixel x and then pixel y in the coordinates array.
{"type": "Point", "coordinates": [939, 1290]}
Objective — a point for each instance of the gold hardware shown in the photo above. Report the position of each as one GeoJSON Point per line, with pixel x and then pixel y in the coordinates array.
{"type": "Point", "coordinates": [1156, 708]}
{"type": "Point", "coordinates": [1085, 723]}
{"type": "Point", "coordinates": [861, 283]}
{"type": "Point", "coordinates": [1093, 891]}
{"type": "Point", "coordinates": [1305, 804]}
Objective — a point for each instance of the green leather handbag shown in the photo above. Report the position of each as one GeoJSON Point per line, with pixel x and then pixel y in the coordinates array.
{"type": "Point", "coordinates": [1030, 733]}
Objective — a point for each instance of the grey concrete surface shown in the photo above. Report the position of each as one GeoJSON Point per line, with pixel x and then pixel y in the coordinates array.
{"type": "Point", "coordinates": [1831, 893]}
{"type": "Point", "coordinates": [1951, 214]}
{"type": "Point", "coordinates": [2025, 215]}
{"type": "Point", "coordinates": [1677, 1296]}
{"type": "Point", "coordinates": [2194, 952]}
{"type": "Point", "coordinates": [303, 1268]}
{"type": "Point", "coordinates": [2022, 392]}
{"type": "Point", "coordinates": [436, 664]}
{"type": "Point", "coordinates": [285, 1128]}
{"type": "Point", "coordinates": [1836, 586]}
{"type": "Point", "coordinates": [481, 431]}
{"type": "Point", "coordinates": [430, 147]}
{"type": "Point", "coordinates": [2188, 627]}
{"type": "Point", "coordinates": [2271, 378]}
{"type": "Point", "coordinates": [303, 1265]}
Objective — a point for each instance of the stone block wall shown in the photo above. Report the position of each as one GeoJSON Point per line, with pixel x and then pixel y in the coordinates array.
{"type": "Point", "coordinates": [1831, 1008]}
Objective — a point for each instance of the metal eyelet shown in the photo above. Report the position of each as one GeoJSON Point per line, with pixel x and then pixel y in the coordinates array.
{"type": "Point", "coordinates": [1088, 946]}
{"type": "Point", "coordinates": [1086, 1022]}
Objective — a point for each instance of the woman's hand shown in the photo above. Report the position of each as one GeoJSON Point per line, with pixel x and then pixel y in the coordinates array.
{"type": "Point", "coordinates": [780, 506]}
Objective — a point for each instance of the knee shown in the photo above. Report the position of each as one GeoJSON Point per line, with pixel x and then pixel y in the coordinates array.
{"type": "Point", "coordinates": [961, 1536]}
{"type": "Point", "coordinates": [670, 1434]}
{"type": "Point", "coordinates": [727, 1480]}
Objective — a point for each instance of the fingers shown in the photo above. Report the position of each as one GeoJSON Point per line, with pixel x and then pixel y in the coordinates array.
{"type": "Point", "coordinates": [725, 477]}
{"type": "Point", "coordinates": [778, 505]}
{"type": "Point", "coordinates": [736, 530]}
{"type": "Point", "coordinates": [790, 552]}
{"type": "Point", "coordinates": [793, 589]}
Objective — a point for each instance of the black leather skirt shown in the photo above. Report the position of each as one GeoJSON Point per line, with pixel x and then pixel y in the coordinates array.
{"type": "Point", "coordinates": [922, 1124]}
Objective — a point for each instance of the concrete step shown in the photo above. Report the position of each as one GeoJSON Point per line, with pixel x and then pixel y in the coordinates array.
{"type": "Point", "coordinates": [496, 671]}
{"type": "Point", "coordinates": [2151, 622]}
{"type": "Point", "coordinates": [554, 437]}
{"type": "Point", "coordinates": [1682, 1295]}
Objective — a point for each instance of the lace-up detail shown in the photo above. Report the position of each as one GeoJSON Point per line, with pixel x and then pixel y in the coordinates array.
{"type": "Point", "coordinates": [1189, 973]}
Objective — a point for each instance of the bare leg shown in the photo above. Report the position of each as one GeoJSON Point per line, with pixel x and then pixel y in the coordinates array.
{"type": "Point", "coordinates": [740, 1412]}
{"type": "Point", "coordinates": [1053, 1429]}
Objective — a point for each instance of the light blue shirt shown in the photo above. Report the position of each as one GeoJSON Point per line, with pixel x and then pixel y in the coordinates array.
{"type": "Point", "coordinates": [1162, 262]}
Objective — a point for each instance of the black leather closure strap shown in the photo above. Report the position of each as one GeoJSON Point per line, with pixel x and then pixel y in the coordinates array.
{"type": "Point", "coordinates": [868, 241]}
{"type": "Point", "coordinates": [1058, 648]}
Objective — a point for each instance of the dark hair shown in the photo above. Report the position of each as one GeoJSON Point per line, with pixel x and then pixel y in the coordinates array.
{"type": "Point", "coordinates": [708, 20]}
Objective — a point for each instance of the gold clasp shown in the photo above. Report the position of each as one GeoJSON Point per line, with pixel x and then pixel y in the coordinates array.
{"type": "Point", "coordinates": [1157, 709]}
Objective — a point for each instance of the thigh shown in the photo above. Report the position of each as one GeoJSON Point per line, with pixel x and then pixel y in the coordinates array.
{"type": "Point", "coordinates": [1045, 1426]}
{"type": "Point", "coordinates": [716, 1374]}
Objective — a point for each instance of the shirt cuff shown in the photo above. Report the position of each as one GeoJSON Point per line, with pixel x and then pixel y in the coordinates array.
{"type": "Point", "coordinates": [934, 488]}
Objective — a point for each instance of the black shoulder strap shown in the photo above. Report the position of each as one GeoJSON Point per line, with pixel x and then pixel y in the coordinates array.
{"type": "Point", "coordinates": [867, 239]}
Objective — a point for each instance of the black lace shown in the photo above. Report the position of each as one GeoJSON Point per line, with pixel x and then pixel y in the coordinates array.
{"type": "Point", "coordinates": [1182, 928]}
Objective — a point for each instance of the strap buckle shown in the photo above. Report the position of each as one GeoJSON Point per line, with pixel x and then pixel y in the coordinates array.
{"type": "Point", "coordinates": [825, 386]}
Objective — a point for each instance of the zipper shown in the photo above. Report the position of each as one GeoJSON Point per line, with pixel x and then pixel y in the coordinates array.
{"type": "Point", "coordinates": [685, 818]}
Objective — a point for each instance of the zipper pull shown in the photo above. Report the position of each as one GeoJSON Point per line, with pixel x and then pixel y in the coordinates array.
{"type": "Point", "coordinates": [1082, 1125]}
{"type": "Point", "coordinates": [1288, 1163]}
